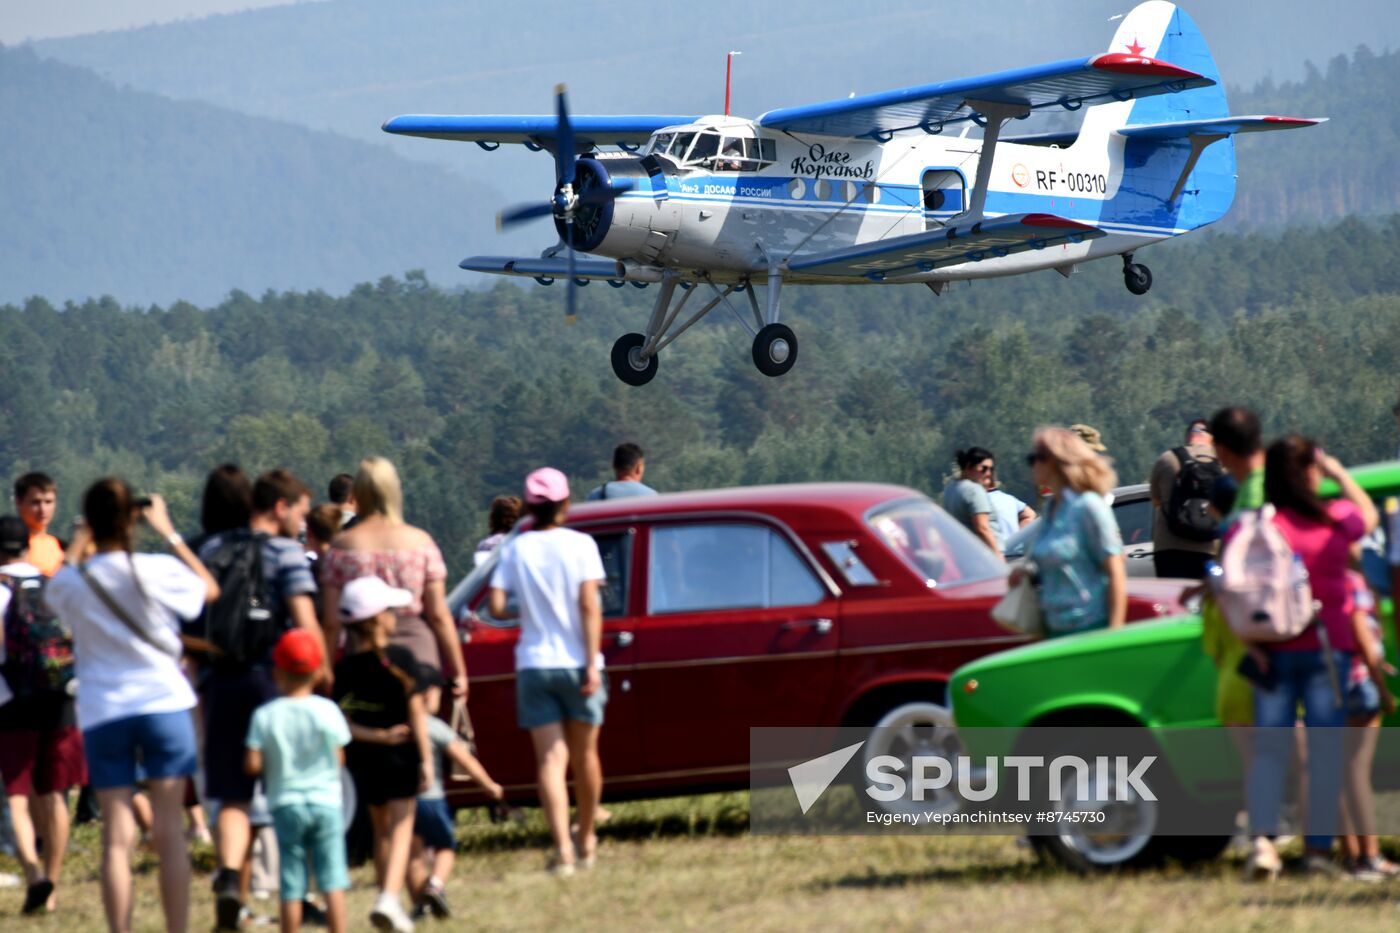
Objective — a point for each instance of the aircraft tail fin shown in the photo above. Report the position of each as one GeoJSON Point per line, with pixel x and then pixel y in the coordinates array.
{"type": "Point", "coordinates": [1158, 29]}
{"type": "Point", "coordinates": [1186, 181]}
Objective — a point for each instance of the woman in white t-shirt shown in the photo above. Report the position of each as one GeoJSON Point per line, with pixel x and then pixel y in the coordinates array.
{"type": "Point", "coordinates": [133, 700]}
{"type": "Point", "coordinates": [560, 691]}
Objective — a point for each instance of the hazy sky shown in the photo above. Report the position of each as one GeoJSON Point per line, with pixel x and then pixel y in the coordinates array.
{"type": "Point", "coordinates": [40, 19]}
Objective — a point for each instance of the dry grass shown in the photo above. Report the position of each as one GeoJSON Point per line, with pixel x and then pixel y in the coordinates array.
{"type": "Point", "coordinates": [689, 863]}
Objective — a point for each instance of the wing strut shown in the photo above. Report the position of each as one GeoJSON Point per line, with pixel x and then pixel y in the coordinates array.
{"type": "Point", "coordinates": [996, 114]}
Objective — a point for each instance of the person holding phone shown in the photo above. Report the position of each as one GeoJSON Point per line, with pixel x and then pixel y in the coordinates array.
{"type": "Point", "coordinates": [133, 701]}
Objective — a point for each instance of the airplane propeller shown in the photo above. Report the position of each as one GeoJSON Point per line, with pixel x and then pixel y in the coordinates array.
{"type": "Point", "coordinates": [567, 201]}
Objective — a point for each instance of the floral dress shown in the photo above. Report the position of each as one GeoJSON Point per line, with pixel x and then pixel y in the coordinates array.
{"type": "Point", "coordinates": [409, 569]}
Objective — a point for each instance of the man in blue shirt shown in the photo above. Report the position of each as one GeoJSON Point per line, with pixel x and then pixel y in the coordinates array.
{"type": "Point", "coordinates": [629, 463]}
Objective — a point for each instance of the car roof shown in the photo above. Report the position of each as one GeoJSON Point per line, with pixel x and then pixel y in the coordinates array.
{"type": "Point", "coordinates": [850, 499]}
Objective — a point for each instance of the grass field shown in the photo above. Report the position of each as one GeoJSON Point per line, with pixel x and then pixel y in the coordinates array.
{"type": "Point", "coordinates": [689, 863]}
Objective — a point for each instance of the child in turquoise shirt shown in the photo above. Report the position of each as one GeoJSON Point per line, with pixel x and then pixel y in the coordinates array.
{"type": "Point", "coordinates": [297, 742]}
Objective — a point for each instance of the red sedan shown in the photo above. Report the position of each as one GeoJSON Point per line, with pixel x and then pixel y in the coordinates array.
{"type": "Point", "coordinates": [803, 605]}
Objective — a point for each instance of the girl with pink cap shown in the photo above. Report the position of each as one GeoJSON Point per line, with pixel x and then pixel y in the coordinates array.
{"type": "Point", "coordinates": [554, 573]}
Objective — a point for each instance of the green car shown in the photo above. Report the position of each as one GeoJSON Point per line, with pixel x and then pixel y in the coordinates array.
{"type": "Point", "coordinates": [1153, 677]}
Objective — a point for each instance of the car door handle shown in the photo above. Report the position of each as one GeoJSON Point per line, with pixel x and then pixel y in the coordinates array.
{"type": "Point", "coordinates": [820, 626]}
{"type": "Point", "coordinates": [621, 639]}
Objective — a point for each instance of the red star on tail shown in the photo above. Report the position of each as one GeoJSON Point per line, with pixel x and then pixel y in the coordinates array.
{"type": "Point", "coordinates": [1135, 48]}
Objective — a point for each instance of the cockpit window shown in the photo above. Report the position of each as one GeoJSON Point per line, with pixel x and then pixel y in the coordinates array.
{"type": "Point", "coordinates": [715, 150]}
{"type": "Point", "coordinates": [679, 145]}
{"type": "Point", "coordinates": [706, 145]}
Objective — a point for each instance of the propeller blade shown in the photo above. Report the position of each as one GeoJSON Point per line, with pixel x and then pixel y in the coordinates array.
{"type": "Point", "coordinates": [521, 213]}
{"type": "Point", "coordinates": [603, 195]}
{"type": "Point", "coordinates": [570, 298]}
{"type": "Point", "coordinates": [564, 156]}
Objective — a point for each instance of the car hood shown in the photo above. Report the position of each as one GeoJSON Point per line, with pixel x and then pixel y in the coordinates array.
{"type": "Point", "coordinates": [1166, 592]}
{"type": "Point", "coordinates": [1075, 648]}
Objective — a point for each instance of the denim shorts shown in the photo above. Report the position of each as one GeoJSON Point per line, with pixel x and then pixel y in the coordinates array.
{"type": "Point", "coordinates": [432, 822]}
{"type": "Point", "coordinates": [1363, 699]}
{"type": "Point", "coordinates": [310, 832]}
{"type": "Point", "coordinates": [162, 744]}
{"type": "Point", "coordinates": [545, 695]}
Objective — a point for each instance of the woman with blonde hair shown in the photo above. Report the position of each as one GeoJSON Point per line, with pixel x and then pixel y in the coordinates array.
{"type": "Point", "coordinates": [1078, 555]}
{"type": "Point", "coordinates": [382, 544]}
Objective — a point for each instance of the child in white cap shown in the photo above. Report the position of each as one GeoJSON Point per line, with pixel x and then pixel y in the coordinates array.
{"type": "Point", "coordinates": [555, 573]}
{"type": "Point", "coordinates": [379, 691]}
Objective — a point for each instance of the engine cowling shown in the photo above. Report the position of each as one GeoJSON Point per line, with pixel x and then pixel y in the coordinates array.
{"type": "Point", "coordinates": [620, 229]}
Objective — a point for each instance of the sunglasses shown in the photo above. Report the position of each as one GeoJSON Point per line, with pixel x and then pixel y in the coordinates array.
{"type": "Point", "coordinates": [982, 468]}
{"type": "Point", "coordinates": [1035, 457]}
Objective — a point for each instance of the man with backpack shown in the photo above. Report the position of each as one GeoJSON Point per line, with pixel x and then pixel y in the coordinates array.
{"type": "Point", "coordinates": [265, 588]}
{"type": "Point", "coordinates": [41, 749]}
{"type": "Point", "coordinates": [1183, 529]}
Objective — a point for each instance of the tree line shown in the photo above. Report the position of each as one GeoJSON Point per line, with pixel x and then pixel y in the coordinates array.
{"type": "Point", "coordinates": [468, 390]}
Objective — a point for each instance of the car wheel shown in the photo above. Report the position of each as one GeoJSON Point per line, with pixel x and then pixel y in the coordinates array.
{"type": "Point", "coordinates": [1094, 835]}
{"type": "Point", "coordinates": [918, 727]}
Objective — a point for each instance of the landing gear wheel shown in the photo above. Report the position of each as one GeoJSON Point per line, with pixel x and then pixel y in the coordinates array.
{"type": "Point", "coordinates": [1137, 277]}
{"type": "Point", "coordinates": [774, 349]}
{"type": "Point", "coordinates": [627, 362]}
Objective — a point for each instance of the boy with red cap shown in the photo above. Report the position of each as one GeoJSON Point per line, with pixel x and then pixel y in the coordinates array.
{"type": "Point", "coordinates": [297, 742]}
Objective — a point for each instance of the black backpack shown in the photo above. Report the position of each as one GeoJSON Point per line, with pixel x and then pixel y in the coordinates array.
{"type": "Point", "coordinates": [1188, 510]}
{"type": "Point", "coordinates": [240, 625]}
{"type": "Point", "coordinates": [38, 646]}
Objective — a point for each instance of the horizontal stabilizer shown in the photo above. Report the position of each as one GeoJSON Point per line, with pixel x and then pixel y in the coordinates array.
{"type": "Point", "coordinates": [1069, 84]}
{"type": "Point", "coordinates": [537, 132]}
{"type": "Point", "coordinates": [557, 267]}
{"type": "Point", "coordinates": [1220, 126]}
{"type": "Point", "coordinates": [948, 246]}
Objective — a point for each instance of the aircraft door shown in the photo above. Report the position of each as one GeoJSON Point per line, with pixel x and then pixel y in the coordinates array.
{"type": "Point", "coordinates": [944, 196]}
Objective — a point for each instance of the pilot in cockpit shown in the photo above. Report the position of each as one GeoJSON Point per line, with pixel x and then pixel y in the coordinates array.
{"type": "Point", "coordinates": [732, 158]}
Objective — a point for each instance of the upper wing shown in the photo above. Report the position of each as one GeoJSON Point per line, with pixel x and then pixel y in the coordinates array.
{"type": "Point", "coordinates": [1070, 84]}
{"type": "Point", "coordinates": [1225, 126]}
{"type": "Point", "coordinates": [537, 132]}
{"type": "Point", "coordinates": [924, 252]}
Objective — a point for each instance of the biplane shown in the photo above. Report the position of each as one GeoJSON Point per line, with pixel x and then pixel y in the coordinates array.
{"type": "Point", "coordinates": [922, 185]}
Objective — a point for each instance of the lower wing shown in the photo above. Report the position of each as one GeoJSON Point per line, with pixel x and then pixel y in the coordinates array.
{"type": "Point", "coordinates": [949, 246]}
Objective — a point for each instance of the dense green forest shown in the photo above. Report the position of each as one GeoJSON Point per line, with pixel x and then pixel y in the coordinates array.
{"type": "Point", "coordinates": [467, 391]}
{"type": "Point", "coordinates": [115, 191]}
{"type": "Point", "coordinates": [1347, 166]}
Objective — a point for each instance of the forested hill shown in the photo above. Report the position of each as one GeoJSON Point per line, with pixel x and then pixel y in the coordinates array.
{"type": "Point", "coordinates": [115, 191]}
{"type": "Point", "coordinates": [1349, 165]}
{"type": "Point", "coordinates": [468, 391]}
{"type": "Point", "coordinates": [346, 65]}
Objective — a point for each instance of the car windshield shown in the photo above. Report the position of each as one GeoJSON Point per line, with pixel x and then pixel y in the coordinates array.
{"type": "Point", "coordinates": [460, 599]}
{"type": "Point", "coordinates": [933, 543]}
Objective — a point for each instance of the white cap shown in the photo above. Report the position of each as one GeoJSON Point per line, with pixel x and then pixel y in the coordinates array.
{"type": "Point", "coordinates": [366, 597]}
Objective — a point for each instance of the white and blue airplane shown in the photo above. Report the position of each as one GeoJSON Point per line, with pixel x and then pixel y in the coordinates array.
{"type": "Point", "coordinates": [885, 188]}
